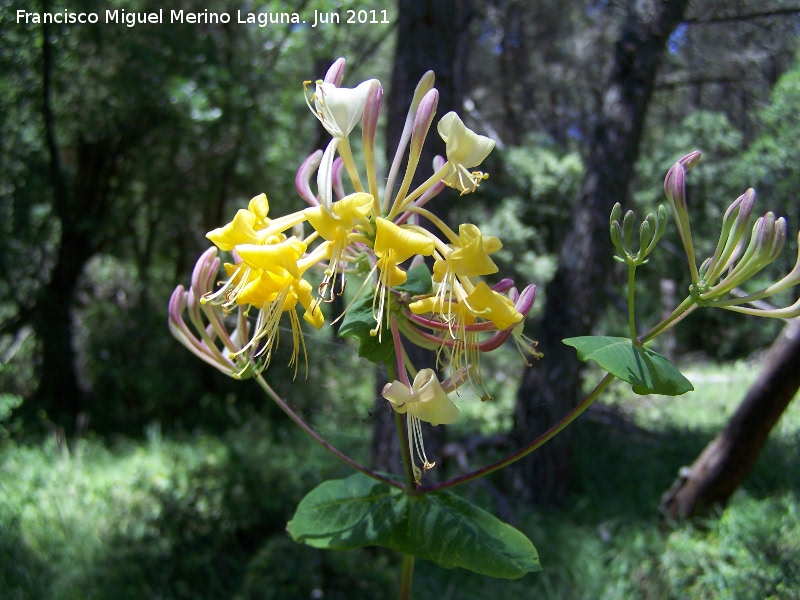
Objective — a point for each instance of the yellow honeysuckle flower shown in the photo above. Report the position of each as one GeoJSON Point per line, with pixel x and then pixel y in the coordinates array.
{"type": "Point", "coordinates": [463, 349]}
{"type": "Point", "coordinates": [283, 255]}
{"type": "Point", "coordinates": [465, 149]}
{"type": "Point", "coordinates": [494, 307]}
{"type": "Point", "coordinates": [394, 245]}
{"type": "Point", "coordinates": [243, 282]}
{"type": "Point", "coordinates": [285, 292]}
{"type": "Point", "coordinates": [341, 218]}
{"type": "Point", "coordinates": [458, 263]}
{"type": "Point", "coordinates": [252, 226]}
{"type": "Point", "coordinates": [336, 225]}
{"type": "Point", "coordinates": [471, 257]}
{"type": "Point", "coordinates": [244, 226]}
{"type": "Point", "coordinates": [424, 401]}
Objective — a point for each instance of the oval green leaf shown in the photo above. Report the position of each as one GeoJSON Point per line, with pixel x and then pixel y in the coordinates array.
{"type": "Point", "coordinates": [648, 372]}
{"type": "Point", "coordinates": [440, 527]}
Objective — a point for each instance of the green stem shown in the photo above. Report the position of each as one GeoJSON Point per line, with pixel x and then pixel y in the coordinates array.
{"type": "Point", "coordinates": [535, 444]}
{"type": "Point", "coordinates": [393, 371]}
{"type": "Point", "coordinates": [406, 577]}
{"type": "Point", "coordinates": [350, 164]}
{"type": "Point", "coordinates": [681, 311]}
{"type": "Point", "coordinates": [405, 453]}
{"type": "Point", "coordinates": [318, 438]}
{"type": "Point", "coordinates": [631, 289]}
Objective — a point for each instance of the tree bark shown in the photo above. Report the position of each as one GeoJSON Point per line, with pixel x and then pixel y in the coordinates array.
{"type": "Point", "coordinates": [575, 296]}
{"type": "Point", "coordinates": [728, 459]}
{"type": "Point", "coordinates": [58, 386]}
{"type": "Point", "coordinates": [431, 35]}
{"type": "Point", "coordinates": [81, 203]}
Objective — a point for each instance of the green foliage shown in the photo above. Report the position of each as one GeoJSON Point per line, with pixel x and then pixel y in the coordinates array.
{"type": "Point", "coordinates": [773, 157]}
{"type": "Point", "coordinates": [440, 527]}
{"type": "Point", "coordinates": [648, 372]}
{"type": "Point", "coordinates": [749, 552]}
{"type": "Point", "coordinates": [528, 205]}
{"type": "Point", "coordinates": [359, 320]}
{"type": "Point", "coordinates": [8, 402]}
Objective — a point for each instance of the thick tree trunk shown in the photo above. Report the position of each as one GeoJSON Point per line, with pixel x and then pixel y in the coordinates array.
{"type": "Point", "coordinates": [58, 390]}
{"type": "Point", "coordinates": [575, 297]}
{"type": "Point", "coordinates": [58, 393]}
{"type": "Point", "coordinates": [431, 35]}
{"type": "Point", "coordinates": [81, 204]}
{"type": "Point", "coordinates": [727, 460]}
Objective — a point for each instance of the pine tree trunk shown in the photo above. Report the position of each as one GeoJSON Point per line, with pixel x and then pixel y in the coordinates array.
{"type": "Point", "coordinates": [576, 295]}
{"type": "Point", "coordinates": [727, 460]}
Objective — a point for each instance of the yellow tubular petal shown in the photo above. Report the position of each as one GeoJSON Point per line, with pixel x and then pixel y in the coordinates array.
{"type": "Point", "coordinates": [261, 290]}
{"type": "Point", "coordinates": [403, 243]}
{"type": "Point", "coordinates": [313, 314]}
{"type": "Point", "coordinates": [434, 406]}
{"type": "Point", "coordinates": [494, 307]}
{"type": "Point", "coordinates": [274, 256]}
{"type": "Point", "coordinates": [426, 305]}
{"type": "Point", "coordinates": [239, 231]}
{"type": "Point", "coordinates": [259, 206]}
{"type": "Point", "coordinates": [398, 394]}
{"type": "Point", "coordinates": [354, 207]}
{"type": "Point", "coordinates": [324, 222]}
{"type": "Point", "coordinates": [342, 217]}
{"type": "Point", "coordinates": [463, 145]}
{"type": "Point", "coordinates": [472, 258]}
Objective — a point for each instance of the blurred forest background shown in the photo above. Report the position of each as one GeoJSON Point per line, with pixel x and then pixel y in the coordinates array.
{"type": "Point", "coordinates": [129, 469]}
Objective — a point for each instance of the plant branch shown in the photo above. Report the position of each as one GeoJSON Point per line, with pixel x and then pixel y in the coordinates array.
{"type": "Point", "coordinates": [406, 576]}
{"type": "Point", "coordinates": [631, 294]}
{"type": "Point", "coordinates": [319, 439]}
{"type": "Point", "coordinates": [681, 311]}
{"type": "Point", "coordinates": [525, 450]}
{"type": "Point", "coordinates": [401, 424]}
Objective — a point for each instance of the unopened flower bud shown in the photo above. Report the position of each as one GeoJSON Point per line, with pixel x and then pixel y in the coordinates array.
{"type": "Point", "coordinates": [335, 74]}
{"type": "Point", "coordinates": [303, 178]}
{"type": "Point", "coordinates": [372, 109]}
{"type": "Point", "coordinates": [422, 121]}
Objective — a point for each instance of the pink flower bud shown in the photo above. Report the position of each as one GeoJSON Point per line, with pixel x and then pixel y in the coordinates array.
{"type": "Point", "coordinates": [335, 73]}
{"type": "Point", "coordinates": [303, 178]}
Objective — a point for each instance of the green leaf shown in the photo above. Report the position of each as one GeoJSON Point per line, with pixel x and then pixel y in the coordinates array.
{"type": "Point", "coordinates": [357, 324]}
{"type": "Point", "coordinates": [419, 281]}
{"type": "Point", "coordinates": [359, 320]}
{"type": "Point", "coordinates": [648, 372]}
{"type": "Point", "coordinates": [440, 527]}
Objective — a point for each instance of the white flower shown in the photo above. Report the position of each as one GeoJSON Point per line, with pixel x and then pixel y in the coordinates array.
{"type": "Point", "coordinates": [425, 401]}
{"type": "Point", "coordinates": [339, 110]}
{"type": "Point", "coordinates": [465, 149]}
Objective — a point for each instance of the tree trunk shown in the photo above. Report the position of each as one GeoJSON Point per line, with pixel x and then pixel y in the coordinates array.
{"type": "Point", "coordinates": [575, 296]}
{"type": "Point", "coordinates": [58, 386]}
{"type": "Point", "coordinates": [727, 460]}
{"type": "Point", "coordinates": [81, 204]}
{"type": "Point", "coordinates": [431, 35]}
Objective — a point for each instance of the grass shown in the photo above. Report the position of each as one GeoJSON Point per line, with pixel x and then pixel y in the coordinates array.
{"type": "Point", "coordinates": [203, 516]}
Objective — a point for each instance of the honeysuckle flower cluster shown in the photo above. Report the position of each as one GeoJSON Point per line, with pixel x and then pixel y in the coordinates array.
{"type": "Point", "coordinates": [352, 229]}
{"type": "Point", "coordinates": [740, 254]}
